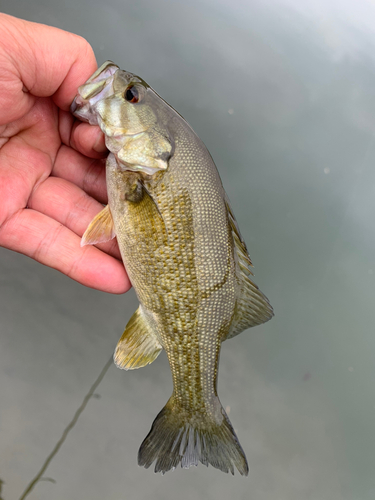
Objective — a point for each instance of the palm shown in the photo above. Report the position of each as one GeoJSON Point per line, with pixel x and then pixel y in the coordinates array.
{"type": "Point", "coordinates": [51, 192]}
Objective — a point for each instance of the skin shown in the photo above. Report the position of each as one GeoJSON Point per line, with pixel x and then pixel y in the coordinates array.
{"type": "Point", "coordinates": [52, 178]}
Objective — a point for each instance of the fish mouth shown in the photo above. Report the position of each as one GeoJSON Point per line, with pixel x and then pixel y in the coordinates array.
{"type": "Point", "coordinates": [81, 109]}
{"type": "Point", "coordinates": [97, 87]}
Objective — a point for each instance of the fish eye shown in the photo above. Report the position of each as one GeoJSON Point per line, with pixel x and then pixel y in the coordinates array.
{"type": "Point", "coordinates": [132, 94]}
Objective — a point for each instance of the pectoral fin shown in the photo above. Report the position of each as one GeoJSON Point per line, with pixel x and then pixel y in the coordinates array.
{"type": "Point", "coordinates": [100, 229]}
{"type": "Point", "coordinates": [138, 345]}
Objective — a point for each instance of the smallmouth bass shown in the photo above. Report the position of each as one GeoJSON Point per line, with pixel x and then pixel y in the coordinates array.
{"type": "Point", "coordinates": [185, 257]}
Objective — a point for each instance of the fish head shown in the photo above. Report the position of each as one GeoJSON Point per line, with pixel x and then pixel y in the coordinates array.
{"type": "Point", "coordinates": [132, 116]}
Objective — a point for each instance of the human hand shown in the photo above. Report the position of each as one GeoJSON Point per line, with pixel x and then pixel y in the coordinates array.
{"type": "Point", "coordinates": [52, 180]}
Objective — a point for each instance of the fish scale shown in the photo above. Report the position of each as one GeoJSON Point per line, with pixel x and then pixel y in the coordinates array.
{"type": "Point", "coordinates": [178, 215]}
{"type": "Point", "coordinates": [185, 257]}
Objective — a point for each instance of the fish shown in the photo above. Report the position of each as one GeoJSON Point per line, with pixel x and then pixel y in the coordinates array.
{"type": "Point", "coordinates": [185, 257]}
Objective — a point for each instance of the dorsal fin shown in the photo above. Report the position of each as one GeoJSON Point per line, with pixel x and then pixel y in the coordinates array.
{"type": "Point", "coordinates": [252, 307]}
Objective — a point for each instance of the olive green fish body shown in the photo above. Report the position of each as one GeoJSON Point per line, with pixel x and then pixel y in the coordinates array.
{"type": "Point", "coordinates": [186, 260]}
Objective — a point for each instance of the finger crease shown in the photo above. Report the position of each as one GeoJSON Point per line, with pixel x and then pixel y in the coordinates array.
{"type": "Point", "coordinates": [91, 178]}
{"type": "Point", "coordinates": [73, 269]}
{"type": "Point", "coordinates": [47, 243]}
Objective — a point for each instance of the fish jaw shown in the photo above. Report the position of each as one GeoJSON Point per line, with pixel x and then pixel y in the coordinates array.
{"type": "Point", "coordinates": [98, 87]}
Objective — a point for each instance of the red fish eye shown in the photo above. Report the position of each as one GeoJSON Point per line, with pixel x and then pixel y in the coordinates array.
{"type": "Point", "coordinates": [131, 94]}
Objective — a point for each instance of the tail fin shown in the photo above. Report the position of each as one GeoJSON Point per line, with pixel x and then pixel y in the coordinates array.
{"type": "Point", "coordinates": [174, 439]}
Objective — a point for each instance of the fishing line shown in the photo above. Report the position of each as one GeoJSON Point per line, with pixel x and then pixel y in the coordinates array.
{"type": "Point", "coordinates": [70, 426]}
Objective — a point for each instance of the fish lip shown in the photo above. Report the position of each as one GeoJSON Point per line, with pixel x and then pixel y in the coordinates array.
{"type": "Point", "coordinates": [77, 106]}
{"type": "Point", "coordinates": [73, 106]}
{"type": "Point", "coordinates": [78, 110]}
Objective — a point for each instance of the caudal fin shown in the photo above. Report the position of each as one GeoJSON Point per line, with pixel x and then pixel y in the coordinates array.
{"type": "Point", "coordinates": [175, 439]}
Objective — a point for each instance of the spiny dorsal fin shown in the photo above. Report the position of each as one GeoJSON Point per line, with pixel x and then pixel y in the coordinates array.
{"type": "Point", "coordinates": [138, 345]}
{"type": "Point", "coordinates": [100, 229]}
{"type": "Point", "coordinates": [252, 307]}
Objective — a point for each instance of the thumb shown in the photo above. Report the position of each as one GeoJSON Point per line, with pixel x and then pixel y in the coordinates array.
{"type": "Point", "coordinates": [39, 61]}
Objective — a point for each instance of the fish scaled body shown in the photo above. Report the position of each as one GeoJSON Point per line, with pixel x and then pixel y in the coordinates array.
{"type": "Point", "coordinates": [185, 257]}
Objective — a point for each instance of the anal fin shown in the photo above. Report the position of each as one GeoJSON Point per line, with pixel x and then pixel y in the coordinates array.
{"type": "Point", "coordinates": [100, 229]}
{"type": "Point", "coordinates": [138, 345]}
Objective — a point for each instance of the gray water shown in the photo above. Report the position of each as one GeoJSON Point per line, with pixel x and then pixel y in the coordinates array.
{"type": "Point", "coordinates": [283, 95]}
